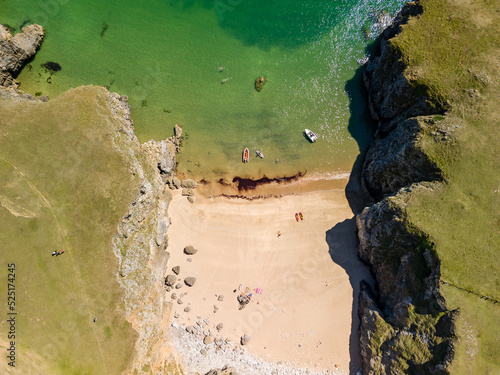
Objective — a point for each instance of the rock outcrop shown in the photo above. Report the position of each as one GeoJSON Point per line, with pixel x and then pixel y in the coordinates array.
{"type": "Point", "coordinates": [386, 168]}
{"type": "Point", "coordinates": [141, 242]}
{"type": "Point", "coordinates": [16, 50]}
{"type": "Point", "coordinates": [398, 332]}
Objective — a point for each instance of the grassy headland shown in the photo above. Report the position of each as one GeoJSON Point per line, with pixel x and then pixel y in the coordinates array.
{"type": "Point", "coordinates": [453, 50]}
{"type": "Point", "coordinates": [64, 187]}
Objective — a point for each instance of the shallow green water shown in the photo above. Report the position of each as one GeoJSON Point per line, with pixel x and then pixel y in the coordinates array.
{"type": "Point", "coordinates": [166, 56]}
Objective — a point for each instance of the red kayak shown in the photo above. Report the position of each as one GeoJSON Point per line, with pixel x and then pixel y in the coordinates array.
{"type": "Point", "coordinates": [246, 155]}
{"type": "Point", "coordinates": [297, 217]}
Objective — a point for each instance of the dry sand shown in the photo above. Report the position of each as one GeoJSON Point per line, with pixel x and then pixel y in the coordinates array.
{"type": "Point", "coordinates": [309, 275]}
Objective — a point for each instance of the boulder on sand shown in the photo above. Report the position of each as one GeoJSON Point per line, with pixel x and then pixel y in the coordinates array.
{"type": "Point", "coordinates": [189, 184]}
{"type": "Point", "coordinates": [245, 339]}
{"type": "Point", "coordinates": [190, 250]}
{"type": "Point", "coordinates": [189, 281]}
{"type": "Point", "coordinates": [170, 280]}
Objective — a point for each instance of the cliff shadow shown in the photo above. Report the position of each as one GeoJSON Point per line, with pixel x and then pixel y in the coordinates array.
{"type": "Point", "coordinates": [361, 127]}
{"type": "Point", "coordinates": [343, 249]}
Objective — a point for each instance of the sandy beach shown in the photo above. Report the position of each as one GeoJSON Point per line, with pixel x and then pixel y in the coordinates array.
{"type": "Point", "coordinates": [301, 275]}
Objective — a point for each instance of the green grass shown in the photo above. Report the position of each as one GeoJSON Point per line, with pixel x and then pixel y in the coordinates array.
{"type": "Point", "coordinates": [64, 186]}
{"type": "Point", "coordinates": [444, 46]}
{"type": "Point", "coordinates": [453, 50]}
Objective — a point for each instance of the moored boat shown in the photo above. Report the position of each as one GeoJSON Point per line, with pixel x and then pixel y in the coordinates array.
{"type": "Point", "coordinates": [259, 154]}
{"type": "Point", "coordinates": [310, 134]}
{"type": "Point", "coordinates": [246, 155]}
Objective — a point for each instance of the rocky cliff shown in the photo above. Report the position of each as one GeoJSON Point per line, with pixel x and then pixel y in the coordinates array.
{"type": "Point", "coordinates": [405, 325]}
{"type": "Point", "coordinates": [15, 51]}
{"type": "Point", "coordinates": [141, 241]}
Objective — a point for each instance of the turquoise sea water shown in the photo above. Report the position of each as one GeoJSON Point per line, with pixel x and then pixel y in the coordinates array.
{"type": "Point", "coordinates": [167, 57]}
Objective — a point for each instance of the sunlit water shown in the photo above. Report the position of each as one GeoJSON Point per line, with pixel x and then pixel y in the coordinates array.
{"type": "Point", "coordinates": [194, 63]}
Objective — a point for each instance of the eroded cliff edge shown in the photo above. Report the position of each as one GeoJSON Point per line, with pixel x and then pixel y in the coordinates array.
{"type": "Point", "coordinates": [405, 326]}
{"type": "Point", "coordinates": [141, 239]}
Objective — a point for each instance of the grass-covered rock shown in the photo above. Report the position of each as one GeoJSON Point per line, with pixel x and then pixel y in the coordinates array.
{"type": "Point", "coordinates": [445, 53]}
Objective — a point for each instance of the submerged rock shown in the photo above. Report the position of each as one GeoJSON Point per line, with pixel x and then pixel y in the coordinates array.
{"type": "Point", "coordinates": [259, 83]}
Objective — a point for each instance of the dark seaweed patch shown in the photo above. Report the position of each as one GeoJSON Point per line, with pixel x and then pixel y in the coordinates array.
{"type": "Point", "coordinates": [51, 67]}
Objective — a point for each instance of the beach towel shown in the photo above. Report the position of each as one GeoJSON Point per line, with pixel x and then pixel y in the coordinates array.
{"type": "Point", "coordinates": [258, 290]}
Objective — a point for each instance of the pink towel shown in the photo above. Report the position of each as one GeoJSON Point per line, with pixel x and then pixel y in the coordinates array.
{"type": "Point", "coordinates": [258, 291]}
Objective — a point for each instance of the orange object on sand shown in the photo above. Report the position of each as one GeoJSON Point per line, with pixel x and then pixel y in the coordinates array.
{"type": "Point", "coordinates": [301, 217]}
{"type": "Point", "coordinates": [297, 217]}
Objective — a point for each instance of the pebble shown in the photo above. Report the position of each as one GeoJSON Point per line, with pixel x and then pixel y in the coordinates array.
{"type": "Point", "coordinates": [178, 286]}
{"type": "Point", "coordinates": [187, 309]}
{"type": "Point", "coordinates": [199, 359]}
{"type": "Point", "coordinates": [189, 259]}
{"type": "Point", "coordinates": [215, 309]}
{"type": "Point", "coordinates": [173, 296]}
{"type": "Point", "coordinates": [179, 301]}
{"type": "Point", "coordinates": [176, 270]}
{"type": "Point", "coordinates": [220, 298]}
{"type": "Point", "coordinates": [219, 326]}
{"type": "Point", "coordinates": [208, 340]}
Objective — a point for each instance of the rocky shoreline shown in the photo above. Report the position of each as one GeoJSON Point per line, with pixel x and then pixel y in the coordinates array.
{"type": "Point", "coordinates": [403, 262]}
{"type": "Point", "coordinates": [407, 309]}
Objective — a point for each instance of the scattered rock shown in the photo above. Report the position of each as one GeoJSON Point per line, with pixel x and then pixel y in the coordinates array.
{"type": "Point", "coordinates": [176, 315]}
{"type": "Point", "coordinates": [219, 326]}
{"type": "Point", "coordinates": [189, 184]}
{"type": "Point", "coordinates": [203, 352]}
{"type": "Point", "coordinates": [187, 192]}
{"type": "Point", "coordinates": [189, 281]}
{"type": "Point", "coordinates": [191, 329]}
{"type": "Point", "coordinates": [179, 301]}
{"type": "Point", "coordinates": [216, 308]}
{"type": "Point", "coordinates": [245, 339]}
{"type": "Point", "coordinates": [190, 199]}
{"type": "Point", "coordinates": [176, 182]}
{"type": "Point", "coordinates": [168, 288]}
{"type": "Point", "coordinates": [187, 309]}
{"type": "Point", "coordinates": [176, 270]}
{"type": "Point", "coordinates": [178, 286]}
{"type": "Point", "coordinates": [173, 296]}
{"type": "Point", "coordinates": [190, 250]}
{"type": "Point", "coordinates": [219, 342]}
{"type": "Point", "coordinates": [220, 298]}
{"type": "Point", "coordinates": [189, 259]}
{"type": "Point", "coordinates": [170, 280]}
{"type": "Point", "coordinates": [208, 340]}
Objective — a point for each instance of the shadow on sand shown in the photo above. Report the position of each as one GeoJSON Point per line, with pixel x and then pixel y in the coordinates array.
{"type": "Point", "coordinates": [342, 246]}
{"type": "Point", "coordinates": [342, 238]}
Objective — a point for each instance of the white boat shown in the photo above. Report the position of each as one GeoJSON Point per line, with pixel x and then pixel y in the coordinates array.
{"type": "Point", "coordinates": [312, 137]}
{"type": "Point", "coordinates": [259, 154]}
